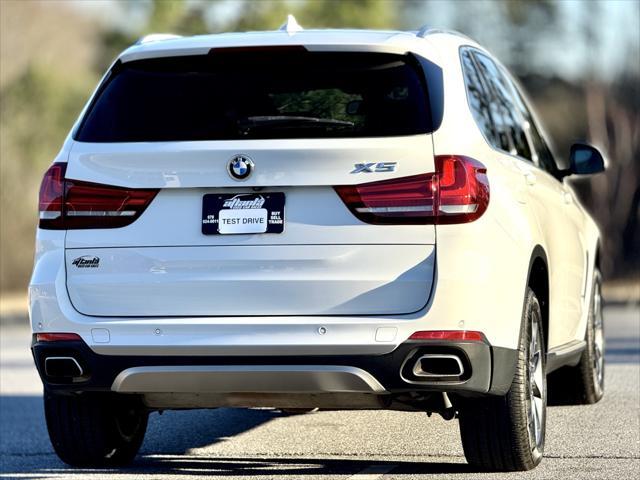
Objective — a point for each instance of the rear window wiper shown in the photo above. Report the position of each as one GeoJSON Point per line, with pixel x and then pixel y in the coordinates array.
{"type": "Point", "coordinates": [289, 121]}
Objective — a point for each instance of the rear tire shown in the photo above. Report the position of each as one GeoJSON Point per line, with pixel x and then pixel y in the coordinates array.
{"type": "Point", "coordinates": [584, 383]}
{"type": "Point", "coordinates": [95, 429]}
{"type": "Point", "coordinates": [507, 433]}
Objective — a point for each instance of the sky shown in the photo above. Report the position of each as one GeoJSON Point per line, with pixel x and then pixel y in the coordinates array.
{"type": "Point", "coordinates": [618, 28]}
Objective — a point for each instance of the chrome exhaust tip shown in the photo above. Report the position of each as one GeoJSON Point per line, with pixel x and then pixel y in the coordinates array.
{"type": "Point", "coordinates": [67, 367]}
{"type": "Point", "coordinates": [438, 365]}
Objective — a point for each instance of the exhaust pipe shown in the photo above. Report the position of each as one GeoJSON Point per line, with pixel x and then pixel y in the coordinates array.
{"type": "Point", "coordinates": [438, 365]}
{"type": "Point", "coordinates": [67, 367]}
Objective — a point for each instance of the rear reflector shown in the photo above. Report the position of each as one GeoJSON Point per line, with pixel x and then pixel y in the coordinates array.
{"type": "Point", "coordinates": [73, 204]}
{"type": "Point", "coordinates": [57, 337]}
{"type": "Point", "coordinates": [449, 335]}
{"type": "Point", "coordinates": [457, 193]}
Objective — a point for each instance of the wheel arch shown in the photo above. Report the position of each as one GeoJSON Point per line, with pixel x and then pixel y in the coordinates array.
{"type": "Point", "coordinates": [538, 281]}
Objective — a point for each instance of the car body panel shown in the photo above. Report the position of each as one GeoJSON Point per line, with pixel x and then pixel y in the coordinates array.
{"type": "Point", "coordinates": [243, 280]}
{"type": "Point", "coordinates": [460, 277]}
{"type": "Point", "coordinates": [278, 163]}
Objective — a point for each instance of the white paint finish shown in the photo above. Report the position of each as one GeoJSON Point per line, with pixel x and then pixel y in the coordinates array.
{"type": "Point", "coordinates": [481, 276]}
{"type": "Point", "coordinates": [560, 225]}
{"type": "Point", "coordinates": [527, 209]}
{"type": "Point", "coordinates": [100, 335]}
{"type": "Point", "coordinates": [298, 162]}
{"type": "Point", "coordinates": [252, 280]}
{"type": "Point", "coordinates": [352, 40]}
{"type": "Point", "coordinates": [386, 334]}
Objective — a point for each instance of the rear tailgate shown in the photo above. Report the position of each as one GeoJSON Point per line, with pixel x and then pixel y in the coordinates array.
{"type": "Point", "coordinates": [325, 261]}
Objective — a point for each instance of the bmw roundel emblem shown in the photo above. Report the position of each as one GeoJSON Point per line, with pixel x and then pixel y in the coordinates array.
{"type": "Point", "coordinates": [240, 167]}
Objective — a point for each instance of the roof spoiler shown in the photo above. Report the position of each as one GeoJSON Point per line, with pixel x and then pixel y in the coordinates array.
{"type": "Point", "coordinates": [156, 37]}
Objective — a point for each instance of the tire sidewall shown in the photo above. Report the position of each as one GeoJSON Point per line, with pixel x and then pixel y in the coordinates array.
{"type": "Point", "coordinates": [533, 317]}
{"type": "Point", "coordinates": [594, 387]}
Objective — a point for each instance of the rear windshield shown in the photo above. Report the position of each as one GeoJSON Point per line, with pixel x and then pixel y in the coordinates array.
{"type": "Point", "coordinates": [257, 95]}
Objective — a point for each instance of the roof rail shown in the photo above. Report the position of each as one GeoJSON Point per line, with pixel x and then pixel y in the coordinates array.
{"type": "Point", "coordinates": [156, 37]}
{"type": "Point", "coordinates": [427, 30]}
{"type": "Point", "coordinates": [291, 26]}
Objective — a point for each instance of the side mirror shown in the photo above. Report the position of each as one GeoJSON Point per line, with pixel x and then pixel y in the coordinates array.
{"type": "Point", "coordinates": [585, 160]}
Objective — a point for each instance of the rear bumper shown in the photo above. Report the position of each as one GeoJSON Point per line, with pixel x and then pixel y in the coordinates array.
{"type": "Point", "coordinates": [486, 370]}
{"type": "Point", "coordinates": [457, 301]}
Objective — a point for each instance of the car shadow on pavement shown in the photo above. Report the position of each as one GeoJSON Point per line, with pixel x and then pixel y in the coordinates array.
{"type": "Point", "coordinates": [293, 467]}
{"type": "Point", "coordinates": [23, 428]}
{"type": "Point", "coordinates": [178, 431]}
{"type": "Point", "coordinates": [207, 466]}
{"type": "Point", "coordinates": [25, 447]}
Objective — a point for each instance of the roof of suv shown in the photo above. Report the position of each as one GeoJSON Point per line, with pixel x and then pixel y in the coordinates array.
{"type": "Point", "coordinates": [392, 41]}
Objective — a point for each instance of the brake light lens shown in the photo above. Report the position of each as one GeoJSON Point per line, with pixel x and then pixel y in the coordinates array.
{"type": "Point", "coordinates": [463, 189]}
{"type": "Point", "coordinates": [449, 335]}
{"type": "Point", "coordinates": [51, 198]}
{"type": "Point", "coordinates": [400, 200]}
{"type": "Point", "coordinates": [73, 204]}
{"type": "Point", "coordinates": [457, 193]}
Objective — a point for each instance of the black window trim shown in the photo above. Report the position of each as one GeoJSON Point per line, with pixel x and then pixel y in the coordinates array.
{"type": "Point", "coordinates": [534, 161]}
{"type": "Point", "coordinates": [485, 91]}
{"type": "Point", "coordinates": [527, 126]}
{"type": "Point", "coordinates": [94, 97]}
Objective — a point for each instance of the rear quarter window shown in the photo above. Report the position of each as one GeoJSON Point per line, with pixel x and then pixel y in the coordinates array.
{"type": "Point", "coordinates": [479, 99]}
{"type": "Point", "coordinates": [511, 135]}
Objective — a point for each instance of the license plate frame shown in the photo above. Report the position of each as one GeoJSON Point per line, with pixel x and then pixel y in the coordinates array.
{"type": "Point", "coordinates": [250, 206]}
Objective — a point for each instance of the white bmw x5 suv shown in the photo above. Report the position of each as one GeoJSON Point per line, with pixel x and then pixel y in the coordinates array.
{"type": "Point", "coordinates": [313, 219]}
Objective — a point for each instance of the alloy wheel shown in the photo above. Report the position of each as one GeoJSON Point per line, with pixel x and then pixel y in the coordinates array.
{"type": "Point", "coordinates": [598, 340]}
{"type": "Point", "coordinates": [537, 387]}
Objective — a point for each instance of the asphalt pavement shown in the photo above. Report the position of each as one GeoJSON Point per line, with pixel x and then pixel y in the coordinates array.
{"type": "Point", "coordinates": [600, 441]}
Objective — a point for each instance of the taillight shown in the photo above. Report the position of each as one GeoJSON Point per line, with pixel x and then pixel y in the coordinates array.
{"type": "Point", "coordinates": [51, 198]}
{"type": "Point", "coordinates": [463, 189]}
{"type": "Point", "coordinates": [73, 204]}
{"type": "Point", "coordinates": [457, 193]}
{"type": "Point", "coordinates": [400, 200]}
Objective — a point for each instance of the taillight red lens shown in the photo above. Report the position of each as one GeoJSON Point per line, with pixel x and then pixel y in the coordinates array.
{"type": "Point", "coordinates": [73, 204]}
{"type": "Point", "coordinates": [457, 193]}
{"type": "Point", "coordinates": [400, 200]}
{"type": "Point", "coordinates": [91, 205]}
{"type": "Point", "coordinates": [449, 335]}
{"type": "Point", "coordinates": [51, 201]}
{"type": "Point", "coordinates": [463, 189]}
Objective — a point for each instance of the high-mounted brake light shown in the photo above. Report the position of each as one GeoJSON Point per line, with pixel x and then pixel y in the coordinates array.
{"type": "Point", "coordinates": [449, 335]}
{"type": "Point", "coordinates": [73, 204]}
{"type": "Point", "coordinates": [457, 193]}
